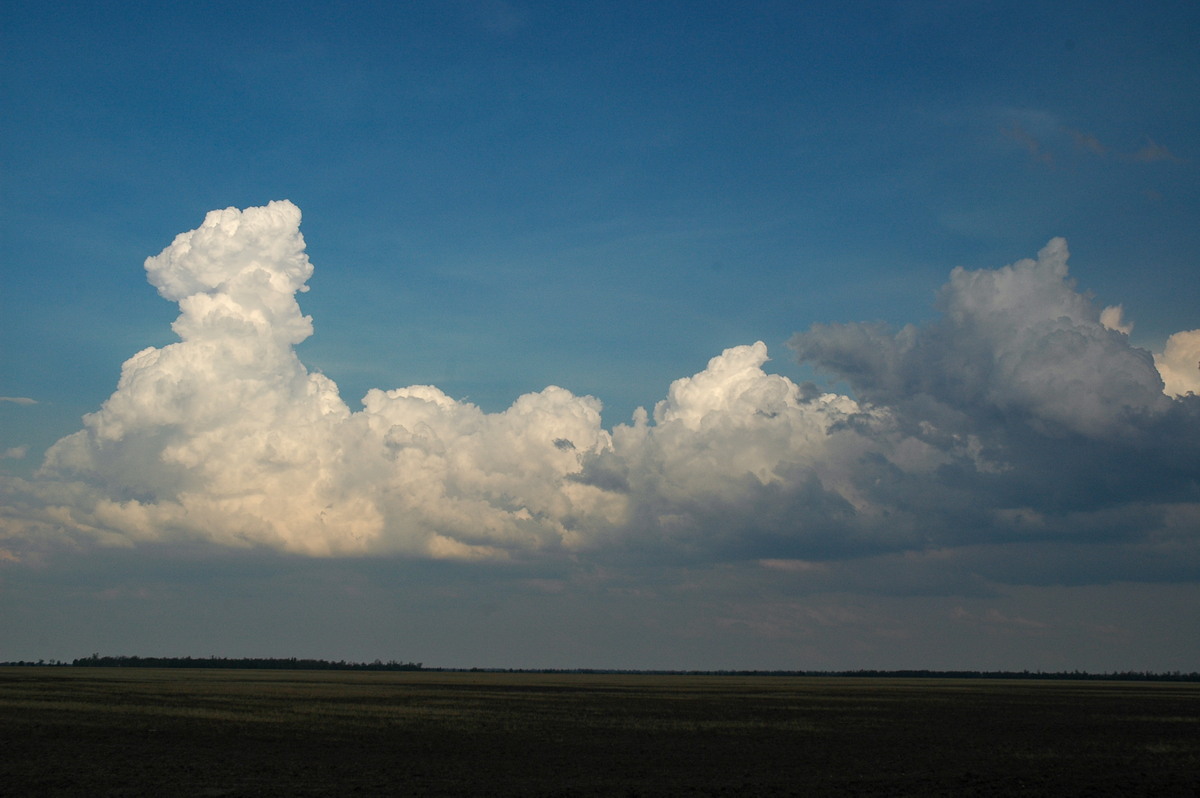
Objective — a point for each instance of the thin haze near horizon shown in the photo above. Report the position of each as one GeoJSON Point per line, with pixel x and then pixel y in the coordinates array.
{"type": "Point", "coordinates": [603, 335]}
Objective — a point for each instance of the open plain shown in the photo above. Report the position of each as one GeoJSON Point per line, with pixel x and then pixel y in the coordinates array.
{"type": "Point", "coordinates": [133, 732]}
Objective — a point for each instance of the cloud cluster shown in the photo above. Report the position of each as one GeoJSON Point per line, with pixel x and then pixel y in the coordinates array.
{"type": "Point", "coordinates": [1023, 413]}
{"type": "Point", "coordinates": [1054, 427]}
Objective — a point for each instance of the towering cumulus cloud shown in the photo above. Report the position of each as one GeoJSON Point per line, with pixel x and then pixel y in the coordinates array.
{"type": "Point", "coordinates": [1022, 414]}
{"type": "Point", "coordinates": [224, 434]}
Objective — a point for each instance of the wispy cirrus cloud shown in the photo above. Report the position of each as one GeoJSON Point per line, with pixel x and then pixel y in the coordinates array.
{"type": "Point", "coordinates": [1049, 140]}
{"type": "Point", "coordinates": [1154, 152]}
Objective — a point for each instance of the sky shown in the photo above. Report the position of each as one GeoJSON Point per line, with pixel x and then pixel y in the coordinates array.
{"type": "Point", "coordinates": [602, 334]}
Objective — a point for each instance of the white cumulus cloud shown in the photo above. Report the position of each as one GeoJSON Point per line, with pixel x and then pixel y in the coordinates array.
{"type": "Point", "coordinates": [1179, 363]}
{"type": "Point", "coordinates": [1113, 317]}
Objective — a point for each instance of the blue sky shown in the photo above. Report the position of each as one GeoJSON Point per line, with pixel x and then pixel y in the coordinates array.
{"type": "Point", "coordinates": [503, 196]}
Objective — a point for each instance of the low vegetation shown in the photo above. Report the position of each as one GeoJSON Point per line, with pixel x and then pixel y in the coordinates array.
{"type": "Point", "coordinates": [155, 731]}
{"type": "Point", "coordinates": [244, 663]}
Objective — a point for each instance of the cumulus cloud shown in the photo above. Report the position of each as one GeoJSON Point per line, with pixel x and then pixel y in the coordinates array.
{"type": "Point", "coordinates": [1179, 363]}
{"type": "Point", "coordinates": [1054, 426]}
{"type": "Point", "coordinates": [1017, 343]}
{"type": "Point", "coordinates": [1113, 317]}
{"type": "Point", "coordinates": [1022, 414]}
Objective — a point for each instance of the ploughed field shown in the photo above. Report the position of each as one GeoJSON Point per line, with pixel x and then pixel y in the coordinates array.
{"type": "Point", "coordinates": [133, 731]}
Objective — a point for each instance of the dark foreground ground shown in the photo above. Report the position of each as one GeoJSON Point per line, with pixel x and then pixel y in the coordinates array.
{"type": "Point", "coordinates": [133, 732]}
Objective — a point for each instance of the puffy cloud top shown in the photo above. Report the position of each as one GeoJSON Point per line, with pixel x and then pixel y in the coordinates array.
{"type": "Point", "coordinates": [1017, 343]}
{"type": "Point", "coordinates": [1179, 363]}
{"type": "Point", "coordinates": [229, 245]}
{"type": "Point", "coordinates": [237, 273]}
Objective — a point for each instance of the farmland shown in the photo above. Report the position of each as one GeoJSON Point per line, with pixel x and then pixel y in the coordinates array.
{"type": "Point", "coordinates": [130, 732]}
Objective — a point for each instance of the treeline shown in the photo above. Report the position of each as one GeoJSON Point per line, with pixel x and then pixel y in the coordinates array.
{"type": "Point", "coordinates": [1131, 676]}
{"type": "Point", "coordinates": [244, 663]}
{"type": "Point", "coordinates": [30, 663]}
{"type": "Point", "coordinates": [294, 663]}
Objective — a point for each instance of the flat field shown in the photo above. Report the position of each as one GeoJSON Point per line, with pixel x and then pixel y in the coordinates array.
{"type": "Point", "coordinates": [132, 732]}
